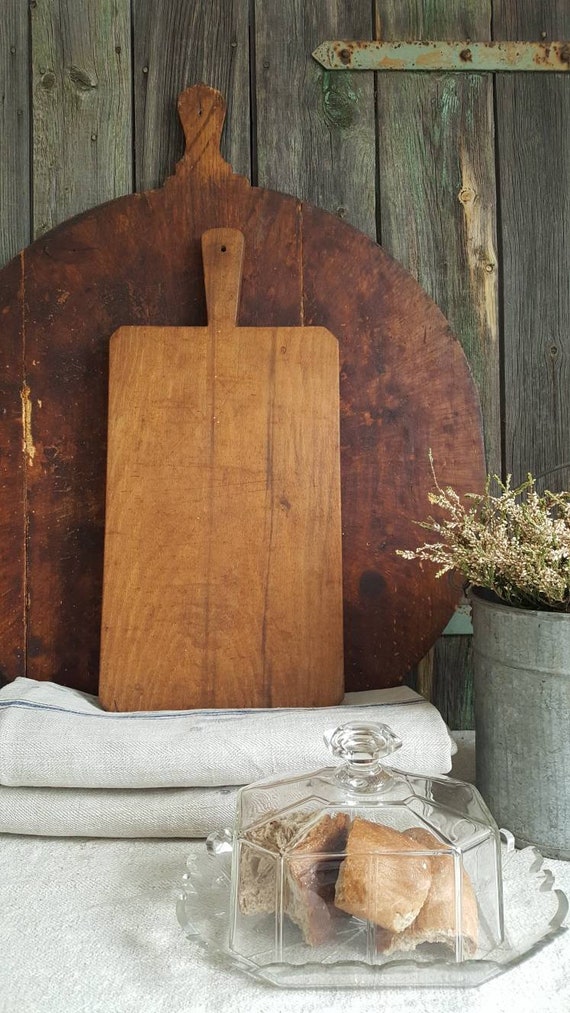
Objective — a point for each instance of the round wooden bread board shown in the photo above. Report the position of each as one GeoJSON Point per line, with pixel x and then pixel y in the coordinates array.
{"type": "Point", "coordinates": [405, 387]}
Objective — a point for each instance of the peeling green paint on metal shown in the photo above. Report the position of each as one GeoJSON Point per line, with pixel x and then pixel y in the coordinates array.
{"type": "Point", "coordinates": [490, 57]}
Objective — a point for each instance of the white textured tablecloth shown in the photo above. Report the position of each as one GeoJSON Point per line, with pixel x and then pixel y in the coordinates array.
{"type": "Point", "coordinates": [89, 926]}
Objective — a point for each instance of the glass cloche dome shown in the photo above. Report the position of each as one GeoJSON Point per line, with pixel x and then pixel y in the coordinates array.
{"type": "Point", "coordinates": [357, 868]}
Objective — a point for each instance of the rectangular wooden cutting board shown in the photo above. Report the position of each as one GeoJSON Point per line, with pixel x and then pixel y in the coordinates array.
{"type": "Point", "coordinates": [222, 568]}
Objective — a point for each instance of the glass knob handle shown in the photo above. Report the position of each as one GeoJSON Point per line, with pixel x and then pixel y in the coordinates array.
{"type": "Point", "coordinates": [361, 743]}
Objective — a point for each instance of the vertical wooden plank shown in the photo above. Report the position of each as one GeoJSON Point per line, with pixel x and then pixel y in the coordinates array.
{"type": "Point", "coordinates": [533, 122]}
{"type": "Point", "coordinates": [437, 213]}
{"type": "Point", "coordinates": [81, 86]}
{"type": "Point", "coordinates": [178, 44]}
{"type": "Point", "coordinates": [434, 678]}
{"type": "Point", "coordinates": [14, 235]}
{"type": "Point", "coordinates": [437, 185]}
{"type": "Point", "coordinates": [315, 129]}
{"type": "Point", "coordinates": [14, 130]}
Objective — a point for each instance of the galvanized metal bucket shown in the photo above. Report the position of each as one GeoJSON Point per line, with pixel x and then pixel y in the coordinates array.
{"type": "Point", "coordinates": [522, 720]}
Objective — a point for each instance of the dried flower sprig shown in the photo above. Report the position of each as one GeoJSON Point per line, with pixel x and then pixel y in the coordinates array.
{"type": "Point", "coordinates": [513, 542]}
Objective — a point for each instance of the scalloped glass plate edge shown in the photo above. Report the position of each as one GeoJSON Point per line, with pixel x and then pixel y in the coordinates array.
{"type": "Point", "coordinates": [203, 908]}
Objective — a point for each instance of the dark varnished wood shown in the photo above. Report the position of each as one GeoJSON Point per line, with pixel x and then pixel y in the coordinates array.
{"type": "Point", "coordinates": [14, 458]}
{"type": "Point", "coordinates": [405, 387]}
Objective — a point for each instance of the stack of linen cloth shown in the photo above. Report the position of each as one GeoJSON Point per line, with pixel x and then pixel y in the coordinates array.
{"type": "Point", "coordinates": [68, 768]}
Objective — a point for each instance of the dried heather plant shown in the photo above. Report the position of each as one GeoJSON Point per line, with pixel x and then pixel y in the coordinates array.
{"type": "Point", "coordinates": [513, 542]}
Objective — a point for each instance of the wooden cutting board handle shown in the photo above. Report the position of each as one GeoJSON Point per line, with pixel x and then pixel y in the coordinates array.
{"type": "Point", "coordinates": [222, 255]}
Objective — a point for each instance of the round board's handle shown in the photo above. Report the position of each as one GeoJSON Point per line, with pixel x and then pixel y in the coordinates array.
{"type": "Point", "coordinates": [202, 111]}
{"type": "Point", "coordinates": [222, 255]}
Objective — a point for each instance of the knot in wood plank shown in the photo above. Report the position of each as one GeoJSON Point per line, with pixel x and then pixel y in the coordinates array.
{"type": "Point", "coordinates": [81, 80]}
{"type": "Point", "coordinates": [467, 195]}
{"type": "Point", "coordinates": [48, 80]}
{"type": "Point", "coordinates": [340, 100]}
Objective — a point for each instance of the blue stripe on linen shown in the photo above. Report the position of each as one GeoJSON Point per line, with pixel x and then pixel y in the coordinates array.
{"type": "Point", "coordinates": [219, 715]}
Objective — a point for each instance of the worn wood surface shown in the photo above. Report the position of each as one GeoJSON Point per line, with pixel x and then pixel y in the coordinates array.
{"type": "Point", "coordinates": [178, 44]}
{"type": "Point", "coordinates": [14, 131]}
{"type": "Point", "coordinates": [222, 582]}
{"type": "Point", "coordinates": [404, 387]}
{"type": "Point", "coordinates": [316, 137]}
{"type": "Point", "coordinates": [81, 107]}
{"type": "Point", "coordinates": [315, 133]}
{"type": "Point", "coordinates": [445, 676]}
{"type": "Point", "coordinates": [15, 215]}
{"type": "Point", "coordinates": [14, 423]}
{"type": "Point", "coordinates": [533, 131]}
{"type": "Point", "coordinates": [437, 154]}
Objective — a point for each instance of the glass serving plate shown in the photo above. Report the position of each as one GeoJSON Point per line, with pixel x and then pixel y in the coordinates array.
{"type": "Point", "coordinates": [534, 912]}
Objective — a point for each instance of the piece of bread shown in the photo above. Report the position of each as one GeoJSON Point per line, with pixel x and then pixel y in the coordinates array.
{"type": "Point", "coordinates": [435, 922]}
{"type": "Point", "coordinates": [257, 870]}
{"type": "Point", "coordinates": [309, 882]}
{"type": "Point", "coordinates": [377, 881]}
{"type": "Point", "coordinates": [410, 899]}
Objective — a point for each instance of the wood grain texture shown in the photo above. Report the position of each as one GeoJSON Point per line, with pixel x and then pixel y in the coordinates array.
{"type": "Point", "coordinates": [438, 210]}
{"type": "Point", "coordinates": [178, 44]}
{"type": "Point", "coordinates": [14, 130]}
{"type": "Point", "coordinates": [16, 448]}
{"type": "Point", "coordinates": [319, 144]}
{"type": "Point", "coordinates": [404, 386]}
{"type": "Point", "coordinates": [81, 102]}
{"type": "Point", "coordinates": [533, 128]}
{"type": "Point", "coordinates": [445, 677]}
{"type": "Point", "coordinates": [437, 186]}
{"type": "Point", "coordinates": [315, 129]}
{"type": "Point", "coordinates": [223, 574]}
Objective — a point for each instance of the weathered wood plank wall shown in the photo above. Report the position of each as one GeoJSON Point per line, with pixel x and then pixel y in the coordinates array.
{"type": "Point", "coordinates": [315, 132]}
{"type": "Point", "coordinates": [80, 107]}
{"type": "Point", "coordinates": [177, 44]}
{"type": "Point", "coordinates": [465, 180]}
{"type": "Point", "coordinates": [533, 128]}
{"type": "Point", "coordinates": [15, 206]}
{"type": "Point", "coordinates": [437, 155]}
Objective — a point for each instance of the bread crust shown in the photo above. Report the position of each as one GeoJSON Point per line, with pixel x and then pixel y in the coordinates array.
{"type": "Point", "coordinates": [435, 922]}
{"type": "Point", "coordinates": [257, 869]}
{"type": "Point", "coordinates": [377, 881]}
{"type": "Point", "coordinates": [309, 885]}
{"type": "Point", "coordinates": [371, 874]}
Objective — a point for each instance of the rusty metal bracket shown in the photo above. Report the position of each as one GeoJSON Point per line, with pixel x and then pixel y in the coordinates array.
{"type": "Point", "coordinates": [474, 57]}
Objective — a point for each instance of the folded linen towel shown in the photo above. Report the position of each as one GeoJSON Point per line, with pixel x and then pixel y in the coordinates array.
{"type": "Point", "coordinates": [56, 737]}
{"type": "Point", "coordinates": [102, 812]}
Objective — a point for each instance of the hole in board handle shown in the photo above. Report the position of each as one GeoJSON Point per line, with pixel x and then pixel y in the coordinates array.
{"type": "Point", "coordinates": [223, 249]}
